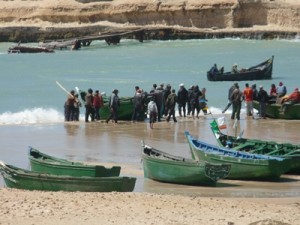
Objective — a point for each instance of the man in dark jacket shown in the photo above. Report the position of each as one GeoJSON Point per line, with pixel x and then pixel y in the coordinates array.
{"type": "Point", "coordinates": [114, 104]}
{"type": "Point", "coordinates": [138, 106]}
{"type": "Point", "coordinates": [263, 99]}
{"type": "Point", "coordinates": [171, 102]}
{"type": "Point", "coordinates": [189, 106]}
{"type": "Point", "coordinates": [231, 89]}
{"type": "Point", "coordinates": [182, 99]}
{"type": "Point", "coordinates": [194, 99]}
{"type": "Point", "coordinates": [236, 99]}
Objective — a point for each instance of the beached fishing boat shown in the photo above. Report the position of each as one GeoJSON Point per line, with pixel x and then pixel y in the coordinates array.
{"type": "Point", "coordinates": [262, 71]}
{"type": "Point", "coordinates": [244, 166]}
{"type": "Point", "coordinates": [255, 146]}
{"type": "Point", "coordinates": [292, 112]}
{"type": "Point", "coordinates": [161, 166]}
{"type": "Point", "coordinates": [15, 177]}
{"type": "Point", "coordinates": [43, 163]}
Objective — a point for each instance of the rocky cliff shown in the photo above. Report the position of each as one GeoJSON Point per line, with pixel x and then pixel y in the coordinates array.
{"type": "Point", "coordinates": [33, 20]}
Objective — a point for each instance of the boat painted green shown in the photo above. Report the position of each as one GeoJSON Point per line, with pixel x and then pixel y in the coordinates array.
{"type": "Point", "coordinates": [292, 112]}
{"type": "Point", "coordinates": [244, 166]}
{"type": "Point", "coordinates": [163, 167]}
{"type": "Point", "coordinates": [43, 163]}
{"type": "Point", "coordinates": [124, 112]}
{"type": "Point", "coordinates": [15, 177]}
{"type": "Point", "coordinates": [255, 146]}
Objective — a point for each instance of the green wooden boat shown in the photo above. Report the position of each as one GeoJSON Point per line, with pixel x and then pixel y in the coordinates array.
{"type": "Point", "coordinates": [24, 179]}
{"type": "Point", "coordinates": [285, 150]}
{"type": "Point", "coordinates": [124, 112]}
{"type": "Point", "coordinates": [274, 111]}
{"type": "Point", "coordinates": [244, 166]}
{"type": "Point", "coordinates": [43, 163]}
{"type": "Point", "coordinates": [161, 166]}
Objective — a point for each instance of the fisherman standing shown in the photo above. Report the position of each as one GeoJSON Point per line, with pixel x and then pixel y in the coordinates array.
{"type": "Point", "coordinates": [231, 89]}
{"type": "Point", "coordinates": [182, 99]}
{"type": "Point", "coordinates": [69, 106]}
{"type": "Point", "coordinates": [171, 103]}
{"type": "Point", "coordinates": [114, 104]}
{"type": "Point", "coordinates": [236, 99]}
{"type": "Point", "coordinates": [89, 107]}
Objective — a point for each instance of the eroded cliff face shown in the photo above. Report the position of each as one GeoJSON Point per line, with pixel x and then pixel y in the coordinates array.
{"type": "Point", "coordinates": [70, 17]}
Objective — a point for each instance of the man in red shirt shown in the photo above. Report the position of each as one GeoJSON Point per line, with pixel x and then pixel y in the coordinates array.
{"type": "Point", "coordinates": [248, 97]}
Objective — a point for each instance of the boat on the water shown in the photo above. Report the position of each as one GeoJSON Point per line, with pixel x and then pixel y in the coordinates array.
{"type": "Point", "coordinates": [255, 146]}
{"type": "Point", "coordinates": [29, 49]}
{"type": "Point", "coordinates": [292, 112]}
{"type": "Point", "coordinates": [43, 163]}
{"type": "Point", "coordinates": [15, 177]}
{"type": "Point", "coordinates": [163, 167]}
{"type": "Point", "coordinates": [262, 71]}
{"type": "Point", "coordinates": [244, 165]}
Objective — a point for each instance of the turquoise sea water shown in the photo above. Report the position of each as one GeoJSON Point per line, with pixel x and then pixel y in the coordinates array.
{"type": "Point", "coordinates": [29, 93]}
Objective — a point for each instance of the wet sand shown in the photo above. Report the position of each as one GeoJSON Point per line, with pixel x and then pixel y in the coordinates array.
{"type": "Point", "coordinates": [111, 144]}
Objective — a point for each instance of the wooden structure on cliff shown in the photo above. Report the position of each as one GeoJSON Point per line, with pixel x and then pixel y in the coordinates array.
{"type": "Point", "coordinates": [110, 38]}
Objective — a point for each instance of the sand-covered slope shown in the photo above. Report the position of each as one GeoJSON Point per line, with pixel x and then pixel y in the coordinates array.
{"type": "Point", "coordinates": [194, 15]}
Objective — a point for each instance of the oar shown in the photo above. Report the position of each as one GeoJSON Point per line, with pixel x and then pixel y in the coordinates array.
{"type": "Point", "coordinates": [77, 90]}
{"type": "Point", "coordinates": [76, 100]}
{"type": "Point", "coordinates": [64, 89]}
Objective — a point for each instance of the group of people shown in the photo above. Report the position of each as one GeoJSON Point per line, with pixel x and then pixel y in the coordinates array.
{"type": "Point", "coordinates": [93, 103]}
{"type": "Point", "coordinates": [249, 94]}
{"type": "Point", "coordinates": [159, 102]}
{"type": "Point", "coordinates": [163, 102]}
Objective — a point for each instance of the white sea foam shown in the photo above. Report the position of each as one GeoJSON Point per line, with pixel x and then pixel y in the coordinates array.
{"type": "Point", "coordinates": [31, 116]}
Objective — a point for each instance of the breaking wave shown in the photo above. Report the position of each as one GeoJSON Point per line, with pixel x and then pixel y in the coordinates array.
{"type": "Point", "coordinates": [31, 116]}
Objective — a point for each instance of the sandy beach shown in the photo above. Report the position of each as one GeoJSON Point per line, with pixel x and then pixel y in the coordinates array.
{"type": "Point", "coordinates": [231, 202]}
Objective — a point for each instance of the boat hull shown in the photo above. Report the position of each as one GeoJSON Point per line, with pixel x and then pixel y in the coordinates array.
{"type": "Point", "coordinates": [244, 166]}
{"type": "Point", "coordinates": [23, 179]}
{"type": "Point", "coordinates": [273, 111]}
{"type": "Point", "coordinates": [124, 112]}
{"type": "Point", "coordinates": [164, 167]}
{"type": "Point", "coordinates": [43, 163]}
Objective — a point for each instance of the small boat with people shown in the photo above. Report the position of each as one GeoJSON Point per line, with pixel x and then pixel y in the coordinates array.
{"type": "Point", "coordinates": [244, 165]}
{"type": "Point", "coordinates": [255, 146]}
{"type": "Point", "coordinates": [262, 71]}
{"type": "Point", "coordinates": [18, 178]}
{"type": "Point", "coordinates": [43, 163]}
{"type": "Point", "coordinates": [164, 167]}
